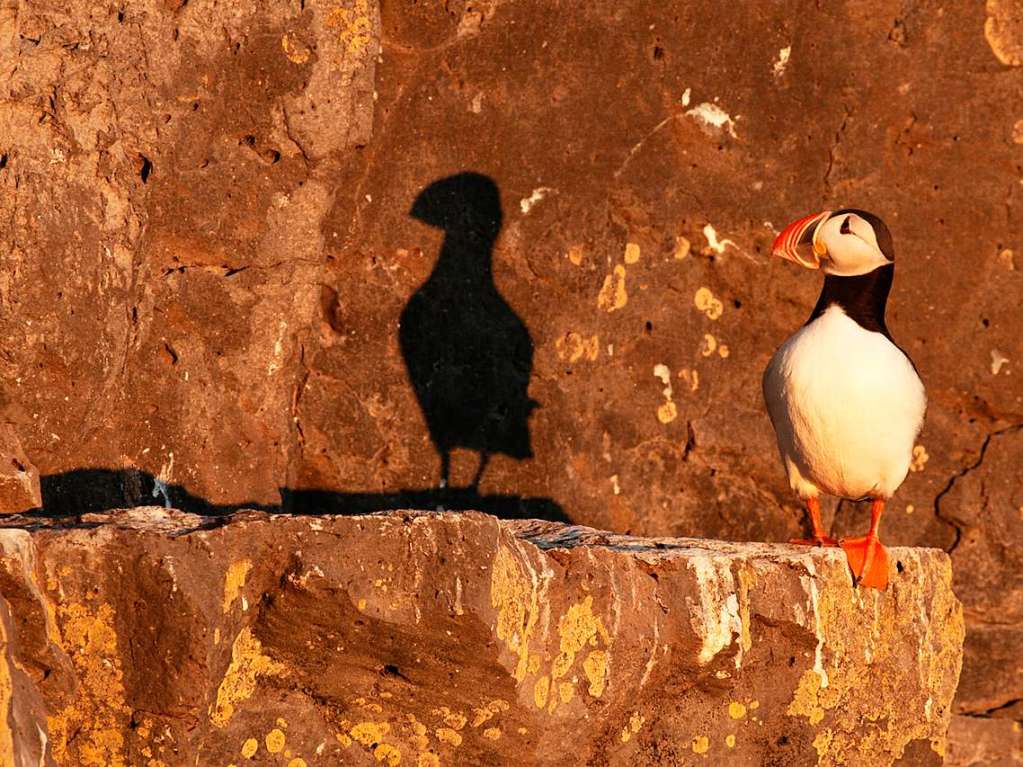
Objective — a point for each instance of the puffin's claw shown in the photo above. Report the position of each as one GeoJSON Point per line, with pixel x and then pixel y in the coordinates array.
{"type": "Point", "coordinates": [817, 540]}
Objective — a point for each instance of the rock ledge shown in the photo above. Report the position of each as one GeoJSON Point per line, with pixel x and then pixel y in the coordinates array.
{"type": "Point", "coordinates": [151, 637]}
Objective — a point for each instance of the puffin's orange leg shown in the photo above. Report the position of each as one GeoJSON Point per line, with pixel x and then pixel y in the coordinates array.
{"type": "Point", "coordinates": [820, 537]}
{"type": "Point", "coordinates": [868, 559]}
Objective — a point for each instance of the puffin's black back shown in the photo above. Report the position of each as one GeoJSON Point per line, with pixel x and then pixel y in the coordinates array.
{"type": "Point", "coordinates": [468, 355]}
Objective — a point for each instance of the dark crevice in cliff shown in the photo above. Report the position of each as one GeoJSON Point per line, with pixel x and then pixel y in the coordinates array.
{"type": "Point", "coordinates": [839, 134]}
{"type": "Point", "coordinates": [988, 713]}
{"type": "Point", "coordinates": [943, 516]}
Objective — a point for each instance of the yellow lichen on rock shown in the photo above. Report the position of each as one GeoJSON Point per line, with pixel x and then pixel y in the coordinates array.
{"type": "Point", "coordinates": [354, 26]}
{"type": "Point", "coordinates": [512, 595]}
{"type": "Point", "coordinates": [239, 683]}
{"type": "Point", "coordinates": [541, 690]}
{"type": "Point", "coordinates": [573, 347]}
{"type": "Point", "coordinates": [708, 304]}
{"type": "Point", "coordinates": [577, 628]}
{"type": "Point", "coordinates": [1003, 29]}
{"type": "Point", "coordinates": [293, 48]}
{"type": "Point", "coordinates": [97, 716]}
{"type": "Point", "coordinates": [866, 721]}
{"type": "Point", "coordinates": [449, 736]}
{"type": "Point", "coordinates": [275, 740]}
{"type": "Point", "coordinates": [634, 725]}
{"type": "Point", "coordinates": [234, 581]}
{"type": "Point", "coordinates": [613, 295]}
{"type": "Point", "coordinates": [6, 695]}
{"type": "Point", "coordinates": [368, 733]}
{"type": "Point", "coordinates": [387, 754]}
{"type": "Point", "coordinates": [249, 748]}
{"type": "Point", "coordinates": [595, 667]}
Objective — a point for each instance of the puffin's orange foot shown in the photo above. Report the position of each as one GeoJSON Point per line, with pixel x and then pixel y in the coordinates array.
{"type": "Point", "coordinates": [868, 561]}
{"type": "Point", "coordinates": [817, 540]}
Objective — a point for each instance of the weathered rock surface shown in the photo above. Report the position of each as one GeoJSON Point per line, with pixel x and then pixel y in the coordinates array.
{"type": "Point", "coordinates": [157, 638]}
{"type": "Point", "coordinates": [204, 220]}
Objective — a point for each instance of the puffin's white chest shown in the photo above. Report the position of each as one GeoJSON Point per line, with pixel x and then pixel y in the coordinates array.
{"type": "Point", "coordinates": [846, 405]}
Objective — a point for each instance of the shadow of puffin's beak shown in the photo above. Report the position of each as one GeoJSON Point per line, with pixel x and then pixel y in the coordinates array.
{"type": "Point", "coordinates": [798, 241]}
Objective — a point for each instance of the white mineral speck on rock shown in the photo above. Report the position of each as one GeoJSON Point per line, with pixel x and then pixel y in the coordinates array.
{"type": "Point", "coordinates": [713, 116]}
{"type": "Point", "coordinates": [782, 61]}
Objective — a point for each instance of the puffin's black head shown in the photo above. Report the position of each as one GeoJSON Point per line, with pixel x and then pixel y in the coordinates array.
{"type": "Point", "coordinates": [466, 205]}
{"type": "Point", "coordinates": [845, 243]}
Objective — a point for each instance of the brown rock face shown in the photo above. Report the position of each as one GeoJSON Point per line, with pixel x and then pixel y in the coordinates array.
{"type": "Point", "coordinates": [210, 239]}
{"type": "Point", "coordinates": [19, 478]}
{"type": "Point", "coordinates": [162, 638]}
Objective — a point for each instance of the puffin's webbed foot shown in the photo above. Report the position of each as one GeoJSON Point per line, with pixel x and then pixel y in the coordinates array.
{"type": "Point", "coordinates": [867, 558]}
{"type": "Point", "coordinates": [820, 537]}
{"type": "Point", "coordinates": [868, 561]}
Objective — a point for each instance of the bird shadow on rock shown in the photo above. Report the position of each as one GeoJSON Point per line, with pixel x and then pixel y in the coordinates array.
{"type": "Point", "coordinates": [469, 359]}
{"type": "Point", "coordinates": [468, 355]}
{"type": "Point", "coordinates": [97, 491]}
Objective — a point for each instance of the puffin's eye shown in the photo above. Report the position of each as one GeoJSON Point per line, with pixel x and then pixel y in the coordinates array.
{"type": "Point", "coordinates": [844, 229]}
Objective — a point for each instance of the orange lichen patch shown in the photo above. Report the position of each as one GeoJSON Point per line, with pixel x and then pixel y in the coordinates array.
{"type": "Point", "coordinates": [613, 295]}
{"type": "Point", "coordinates": [710, 345]}
{"type": "Point", "coordinates": [541, 690]}
{"type": "Point", "coordinates": [1003, 29]}
{"type": "Point", "coordinates": [920, 458]}
{"type": "Point", "coordinates": [369, 733]}
{"type": "Point", "coordinates": [247, 664]}
{"type": "Point", "coordinates": [485, 713]}
{"type": "Point", "coordinates": [736, 710]}
{"type": "Point", "coordinates": [452, 719]}
{"type": "Point", "coordinates": [234, 581]}
{"type": "Point", "coordinates": [705, 301]}
{"type": "Point", "coordinates": [449, 736]}
{"type": "Point", "coordinates": [701, 744]}
{"type": "Point", "coordinates": [682, 248]}
{"type": "Point", "coordinates": [840, 701]}
{"type": "Point", "coordinates": [822, 742]}
{"type": "Point", "coordinates": [250, 747]}
{"type": "Point", "coordinates": [514, 598]}
{"type": "Point", "coordinates": [566, 691]}
{"type": "Point", "coordinates": [632, 252]}
{"type": "Point", "coordinates": [635, 724]}
{"type": "Point", "coordinates": [354, 25]}
{"type": "Point", "coordinates": [6, 691]}
{"type": "Point", "coordinates": [577, 628]}
{"type": "Point", "coordinates": [730, 740]}
{"type": "Point", "coordinates": [97, 717]}
{"type": "Point", "coordinates": [388, 754]}
{"type": "Point", "coordinates": [293, 48]}
{"type": "Point", "coordinates": [573, 347]}
{"type": "Point", "coordinates": [275, 740]}
{"type": "Point", "coordinates": [428, 760]}
{"type": "Point", "coordinates": [343, 739]}
{"type": "Point", "coordinates": [419, 737]}
{"type": "Point", "coordinates": [595, 667]}
{"type": "Point", "coordinates": [575, 254]}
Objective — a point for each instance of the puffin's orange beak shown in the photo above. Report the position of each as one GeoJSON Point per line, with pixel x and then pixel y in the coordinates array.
{"type": "Point", "coordinates": [798, 241]}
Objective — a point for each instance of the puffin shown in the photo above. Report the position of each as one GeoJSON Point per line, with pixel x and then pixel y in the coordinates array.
{"type": "Point", "coordinates": [845, 400]}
